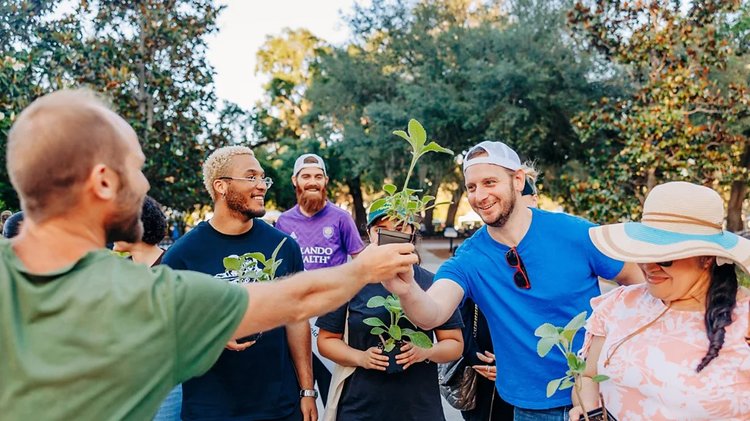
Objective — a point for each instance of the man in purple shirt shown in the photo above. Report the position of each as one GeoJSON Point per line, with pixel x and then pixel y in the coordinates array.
{"type": "Point", "coordinates": [326, 234]}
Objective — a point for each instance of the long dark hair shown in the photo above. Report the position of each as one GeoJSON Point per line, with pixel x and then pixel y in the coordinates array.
{"type": "Point", "coordinates": [721, 300]}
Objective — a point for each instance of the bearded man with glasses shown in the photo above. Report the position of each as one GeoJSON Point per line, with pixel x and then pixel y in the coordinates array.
{"type": "Point", "coordinates": [525, 267]}
{"type": "Point", "coordinates": [259, 377]}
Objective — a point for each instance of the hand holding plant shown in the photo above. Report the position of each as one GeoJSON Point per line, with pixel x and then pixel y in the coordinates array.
{"type": "Point", "coordinates": [396, 335]}
{"type": "Point", "coordinates": [562, 338]}
{"type": "Point", "coordinates": [411, 355]}
{"type": "Point", "coordinates": [373, 359]}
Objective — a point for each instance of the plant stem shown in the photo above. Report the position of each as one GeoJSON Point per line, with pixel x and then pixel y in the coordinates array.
{"type": "Point", "coordinates": [382, 340]}
{"type": "Point", "coordinates": [576, 390]}
{"type": "Point", "coordinates": [411, 168]}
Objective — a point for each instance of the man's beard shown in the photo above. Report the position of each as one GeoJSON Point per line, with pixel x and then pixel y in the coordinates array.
{"type": "Point", "coordinates": [507, 207]}
{"type": "Point", "coordinates": [126, 225]}
{"type": "Point", "coordinates": [311, 202]}
{"type": "Point", "coordinates": [239, 205]}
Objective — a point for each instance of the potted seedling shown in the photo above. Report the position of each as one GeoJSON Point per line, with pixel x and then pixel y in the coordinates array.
{"type": "Point", "coordinates": [405, 206]}
{"type": "Point", "coordinates": [252, 267]}
{"type": "Point", "coordinates": [551, 336]}
{"type": "Point", "coordinates": [392, 336]}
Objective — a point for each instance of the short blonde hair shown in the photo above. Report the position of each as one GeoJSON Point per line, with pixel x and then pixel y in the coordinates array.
{"type": "Point", "coordinates": [530, 170]}
{"type": "Point", "coordinates": [217, 165]}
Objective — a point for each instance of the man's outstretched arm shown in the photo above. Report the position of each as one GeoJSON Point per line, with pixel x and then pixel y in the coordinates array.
{"type": "Point", "coordinates": [426, 309]}
{"type": "Point", "coordinates": [320, 291]}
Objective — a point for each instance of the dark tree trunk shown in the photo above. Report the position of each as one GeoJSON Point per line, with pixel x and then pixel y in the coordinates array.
{"type": "Point", "coordinates": [429, 228]}
{"type": "Point", "coordinates": [450, 220]}
{"type": "Point", "coordinates": [358, 204]}
{"type": "Point", "coordinates": [737, 195]}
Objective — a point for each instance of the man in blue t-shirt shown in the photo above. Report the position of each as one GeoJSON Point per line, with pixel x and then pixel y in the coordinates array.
{"type": "Point", "coordinates": [525, 267]}
{"type": "Point", "coordinates": [262, 378]}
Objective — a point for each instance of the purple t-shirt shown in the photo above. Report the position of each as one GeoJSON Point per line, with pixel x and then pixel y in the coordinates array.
{"type": "Point", "coordinates": [326, 238]}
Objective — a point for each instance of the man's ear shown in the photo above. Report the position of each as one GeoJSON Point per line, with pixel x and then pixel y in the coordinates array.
{"type": "Point", "coordinates": [104, 182]}
{"type": "Point", "coordinates": [294, 181]}
{"type": "Point", "coordinates": [220, 187]}
{"type": "Point", "coordinates": [519, 180]}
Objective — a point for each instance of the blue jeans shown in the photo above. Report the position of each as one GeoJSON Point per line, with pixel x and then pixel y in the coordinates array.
{"type": "Point", "coordinates": [171, 407]}
{"type": "Point", "coordinates": [553, 414]}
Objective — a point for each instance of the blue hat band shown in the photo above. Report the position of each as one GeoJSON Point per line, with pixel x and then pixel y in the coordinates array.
{"type": "Point", "coordinates": [659, 237]}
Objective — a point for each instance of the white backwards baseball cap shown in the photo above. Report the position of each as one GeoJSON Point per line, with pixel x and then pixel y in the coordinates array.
{"type": "Point", "coordinates": [314, 161]}
{"type": "Point", "coordinates": [498, 153]}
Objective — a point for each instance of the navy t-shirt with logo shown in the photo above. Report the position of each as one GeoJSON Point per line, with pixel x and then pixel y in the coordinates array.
{"type": "Point", "coordinates": [256, 384]}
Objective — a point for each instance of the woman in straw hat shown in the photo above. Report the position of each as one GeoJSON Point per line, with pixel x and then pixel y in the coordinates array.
{"type": "Point", "coordinates": [673, 348]}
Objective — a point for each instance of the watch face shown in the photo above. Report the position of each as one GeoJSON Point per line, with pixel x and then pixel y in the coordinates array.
{"type": "Point", "coordinates": [308, 393]}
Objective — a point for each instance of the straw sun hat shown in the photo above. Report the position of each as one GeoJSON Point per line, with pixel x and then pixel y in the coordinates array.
{"type": "Point", "coordinates": [679, 220]}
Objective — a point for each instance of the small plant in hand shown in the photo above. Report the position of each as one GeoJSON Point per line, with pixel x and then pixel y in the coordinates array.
{"type": "Point", "coordinates": [252, 267]}
{"type": "Point", "coordinates": [392, 336]}
{"type": "Point", "coordinates": [562, 338]}
{"type": "Point", "coordinates": [405, 206]}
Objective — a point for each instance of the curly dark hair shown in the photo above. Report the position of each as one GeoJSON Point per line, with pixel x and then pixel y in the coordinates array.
{"type": "Point", "coordinates": [720, 302]}
{"type": "Point", "coordinates": [154, 222]}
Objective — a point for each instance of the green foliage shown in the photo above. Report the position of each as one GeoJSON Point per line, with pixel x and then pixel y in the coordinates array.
{"type": "Point", "coordinates": [393, 331]}
{"type": "Point", "coordinates": [147, 57]}
{"type": "Point", "coordinates": [458, 65]}
{"type": "Point", "coordinates": [676, 125]}
{"type": "Point", "coordinates": [550, 337]}
{"type": "Point", "coordinates": [254, 266]}
{"type": "Point", "coordinates": [405, 206]}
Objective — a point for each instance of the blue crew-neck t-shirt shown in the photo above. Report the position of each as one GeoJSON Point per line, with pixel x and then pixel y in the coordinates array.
{"type": "Point", "coordinates": [258, 383]}
{"type": "Point", "coordinates": [563, 266]}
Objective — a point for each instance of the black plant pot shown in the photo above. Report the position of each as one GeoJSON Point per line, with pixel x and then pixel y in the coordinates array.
{"type": "Point", "coordinates": [393, 367]}
{"type": "Point", "coordinates": [394, 237]}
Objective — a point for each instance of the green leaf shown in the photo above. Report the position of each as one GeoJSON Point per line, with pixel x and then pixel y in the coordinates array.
{"type": "Point", "coordinates": [257, 256]}
{"type": "Point", "coordinates": [232, 263]}
{"type": "Point", "coordinates": [389, 345]}
{"type": "Point", "coordinates": [544, 346]}
{"type": "Point", "coordinates": [417, 134]}
{"type": "Point", "coordinates": [577, 322]}
{"type": "Point", "coordinates": [568, 335]}
{"type": "Point", "coordinates": [373, 321]}
{"type": "Point", "coordinates": [394, 332]}
{"type": "Point", "coordinates": [567, 383]}
{"type": "Point", "coordinates": [600, 378]}
{"type": "Point", "coordinates": [377, 204]}
{"type": "Point", "coordinates": [278, 248]}
{"type": "Point", "coordinates": [376, 301]}
{"type": "Point", "coordinates": [434, 147]}
{"type": "Point", "coordinates": [552, 386]}
{"type": "Point", "coordinates": [546, 330]}
{"type": "Point", "coordinates": [420, 339]}
{"type": "Point", "coordinates": [406, 137]}
{"type": "Point", "coordinates": [377, 331]}
{"type": "Point", "coordinates": [389, 188]}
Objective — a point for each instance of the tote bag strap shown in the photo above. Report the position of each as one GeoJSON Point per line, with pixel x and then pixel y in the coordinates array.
{"type": "Point", "coordinates": [747, 335]}
{"type": "Point", "coordinates": [340, 374]}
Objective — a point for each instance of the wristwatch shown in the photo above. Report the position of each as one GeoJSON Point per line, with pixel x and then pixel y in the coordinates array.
{"type": "Point", "coordinates": [308, 393]}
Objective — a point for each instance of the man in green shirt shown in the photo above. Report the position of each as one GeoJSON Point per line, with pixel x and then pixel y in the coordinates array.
{"type": "Point", "coordinates": [87, 335]}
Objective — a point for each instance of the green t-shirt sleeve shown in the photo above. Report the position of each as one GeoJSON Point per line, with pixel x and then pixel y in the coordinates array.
{"type": "Point", "coordinates": [207, 312]}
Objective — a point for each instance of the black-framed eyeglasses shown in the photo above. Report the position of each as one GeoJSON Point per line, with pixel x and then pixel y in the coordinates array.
{"type": "Point", "coordinates": [520, 277]}
{"type": "Point", "coordinates": [268, 181]}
